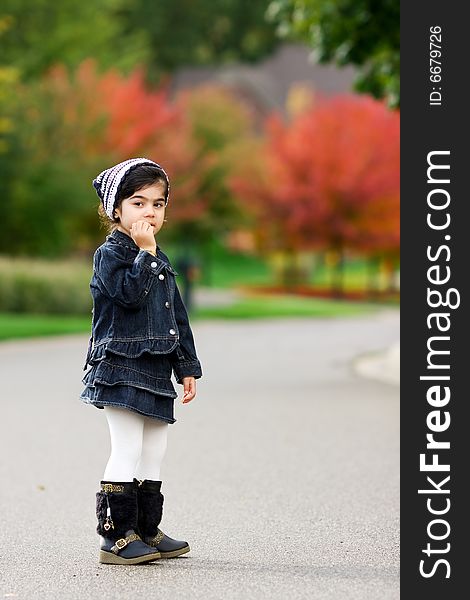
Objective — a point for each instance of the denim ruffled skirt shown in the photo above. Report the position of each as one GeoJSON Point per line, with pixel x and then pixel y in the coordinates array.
{"type": "Point", "coordinates": [141, 384]}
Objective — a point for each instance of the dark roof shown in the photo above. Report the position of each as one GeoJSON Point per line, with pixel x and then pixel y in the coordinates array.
{"type": "Point", "coordinates": [267, 83]}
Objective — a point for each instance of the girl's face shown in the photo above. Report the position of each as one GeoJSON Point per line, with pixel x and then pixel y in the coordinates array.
{"type": "Point", "coordinates": [147, 204]}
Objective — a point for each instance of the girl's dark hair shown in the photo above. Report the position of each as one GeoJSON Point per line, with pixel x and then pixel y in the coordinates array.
{"type": "Point", "coordinates": [138, 178]}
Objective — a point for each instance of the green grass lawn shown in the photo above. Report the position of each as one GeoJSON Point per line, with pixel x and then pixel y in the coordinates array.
{"type": "Point", "coordinates": [25, 326]}
{"type": "Point", "coordinates": [252, 307]}
{"type": "Point", "coordinates": [223, 268]}
{"type": "Point", "coordinates": [63, 282]}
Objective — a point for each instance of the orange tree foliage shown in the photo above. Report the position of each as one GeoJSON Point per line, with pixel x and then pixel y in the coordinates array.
{"type": "Point", "coordinates": [74, 124]}
{"type": "Point", "coordinates": [69, 126]}
{"type": "Point", "coordinates": [111, 116]}
{"type": "Point", "coordinates": [219, 126]}
{"type": "Point", "coordinates": [327, 180]}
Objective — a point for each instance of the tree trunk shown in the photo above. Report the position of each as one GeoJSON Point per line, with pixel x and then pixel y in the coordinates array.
{"type": "Point", "coordinates": [372, 268]}
{"type": "Point", "coordinates": [337, 279]}
{"type": "Point", "coordinates": [207, 267]}
{"type": "Point", "coordinates": [292, 273]}
{"type": "Point", "coordinates": [390, 274]}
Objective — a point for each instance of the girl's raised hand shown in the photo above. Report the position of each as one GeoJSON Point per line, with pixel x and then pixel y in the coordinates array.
{"type": "Point", "coordinates": [143, 236]}
{"type": "Point", "coordinates": [189, 384]}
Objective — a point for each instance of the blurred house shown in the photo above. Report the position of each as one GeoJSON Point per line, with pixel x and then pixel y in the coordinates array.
{"type": "Point", "coordinates": [268, 85]}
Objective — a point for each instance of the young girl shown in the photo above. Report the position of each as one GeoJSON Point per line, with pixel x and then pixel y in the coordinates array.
{"type": "Point", "coordinates": [140, 334]}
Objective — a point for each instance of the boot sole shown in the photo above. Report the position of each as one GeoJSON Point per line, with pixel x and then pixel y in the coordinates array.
{"type": "Point", "coordinates": [109, 558]}
{"type": "Point", "coordinates": [175, 553]}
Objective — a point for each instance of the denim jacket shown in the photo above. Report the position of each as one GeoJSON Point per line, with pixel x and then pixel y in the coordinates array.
{"type": "Point", "coordinates": [137, 307]}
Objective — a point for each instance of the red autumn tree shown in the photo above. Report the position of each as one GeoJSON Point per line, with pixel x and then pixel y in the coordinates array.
{"type": "Point", "coordinates": [76, 123]}
{"type": "Point", "coordinates": [329, 180]}
{"type": "Point", "coordinates": [188, 135]}
{"type": "Point", "coordinates": [113, 115]}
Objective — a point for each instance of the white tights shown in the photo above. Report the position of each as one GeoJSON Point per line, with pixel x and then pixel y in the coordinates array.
{"type": "Point", "coordinates": [138, 445]}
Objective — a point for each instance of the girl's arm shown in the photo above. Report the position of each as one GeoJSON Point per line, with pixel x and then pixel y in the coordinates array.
{"type": "Point", "coordinates": [184, 359]}
{"type": "Point", "coordinates": [127, 284]}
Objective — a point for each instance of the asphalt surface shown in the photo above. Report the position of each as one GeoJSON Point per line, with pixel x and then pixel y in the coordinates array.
{"type": "Point", "coordinates": [283, 473]}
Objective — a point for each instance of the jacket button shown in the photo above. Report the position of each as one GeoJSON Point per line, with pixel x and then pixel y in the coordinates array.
{"type": "Point", "coordinates": [172, 331]}
{"type": "Point", "coordinates": [161, 276]}
{"type": "Point", "coordinates": [154, 264]}
{"type": "Point", "coordinates": [167, 305]}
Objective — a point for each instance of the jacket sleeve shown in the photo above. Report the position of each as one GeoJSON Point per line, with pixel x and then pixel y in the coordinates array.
{"type": "Point", "coordinates": [184, 359]}
{"type": "Point", "coordinates": [125, 283]}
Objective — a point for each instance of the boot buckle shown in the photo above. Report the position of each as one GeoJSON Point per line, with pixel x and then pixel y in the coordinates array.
{"type": "Point", "coordinates": [122, 542]}
{"type": "Point", "coordinates": [119, 545]}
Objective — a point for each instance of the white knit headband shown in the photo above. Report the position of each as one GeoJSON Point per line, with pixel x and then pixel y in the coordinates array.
{"type": "Point", "coordinates": [108, 181]}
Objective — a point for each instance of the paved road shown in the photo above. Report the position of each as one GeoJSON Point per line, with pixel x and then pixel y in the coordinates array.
{"type": "Point", "coordinates": [283, 474]}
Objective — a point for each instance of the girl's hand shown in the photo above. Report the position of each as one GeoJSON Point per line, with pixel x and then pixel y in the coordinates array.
{"type": "Point", "coordinates": [143, 236]}
{"type": "Point", "coordinates": [189, 384]}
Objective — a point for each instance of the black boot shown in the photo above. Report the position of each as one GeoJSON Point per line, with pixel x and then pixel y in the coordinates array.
{"type": "Point", "coordinates": [116, 510]}
{"type": "Point", "coordinates": [150, 502]}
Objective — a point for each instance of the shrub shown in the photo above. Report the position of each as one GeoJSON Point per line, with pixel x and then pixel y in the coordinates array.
{"type": "Point", "coordinates": [45, 287]}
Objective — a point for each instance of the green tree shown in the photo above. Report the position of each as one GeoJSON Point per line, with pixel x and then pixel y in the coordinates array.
{"type": "Point", "coordinates": [364, 33]}
{"type": "Point", "coordinates": [198, 32]}
{"type": "Point", "coordinates": [39, 33]}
